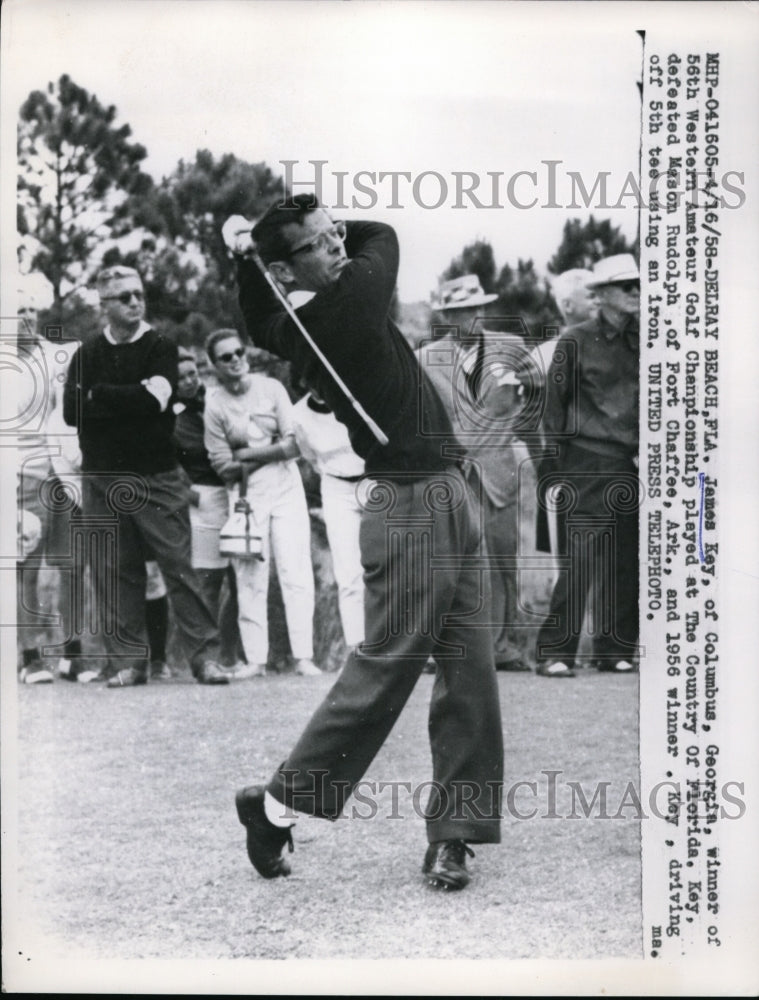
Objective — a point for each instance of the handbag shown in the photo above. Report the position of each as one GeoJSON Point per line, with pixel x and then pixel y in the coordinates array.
{"type": "Point", "coordinates": [236, 537]}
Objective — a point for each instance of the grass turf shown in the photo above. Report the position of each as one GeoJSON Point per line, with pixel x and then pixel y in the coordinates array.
{"type": "Point", "coordinates": [130, 846]}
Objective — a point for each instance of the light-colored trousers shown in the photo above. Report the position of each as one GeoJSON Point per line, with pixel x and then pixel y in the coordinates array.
{"type": "Point", "coordinates": [278, 501]}
{"type": "Point", "coordinates": [206, 520]}
{"type": "Point", "coordinates": [342, 519]}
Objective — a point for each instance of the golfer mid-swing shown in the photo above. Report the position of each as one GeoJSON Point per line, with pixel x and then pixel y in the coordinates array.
{"type": "Point", "coordinates": [420, 543]}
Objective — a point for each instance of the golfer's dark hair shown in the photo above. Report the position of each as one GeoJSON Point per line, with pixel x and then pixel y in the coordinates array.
{"type": "Point", "coordinates": [269, 234]}
{"type": "Point", "coordinates": [213, 339]}
{"type": "Point", "coordinates": [184, 354]}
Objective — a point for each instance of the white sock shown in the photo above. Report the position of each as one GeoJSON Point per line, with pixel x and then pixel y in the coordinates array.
{"type": "Point", "coordinates": [276, 813]}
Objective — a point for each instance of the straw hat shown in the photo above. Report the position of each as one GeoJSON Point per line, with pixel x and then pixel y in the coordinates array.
{"type": "Point", "coordinates": [461, 293]}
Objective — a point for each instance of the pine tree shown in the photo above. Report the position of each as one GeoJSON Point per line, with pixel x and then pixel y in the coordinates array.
{"type": "Point", "coordinates": [585, 243]}
{"type": "Point", "coordinates": [77, 171]}
{"type": "Point", "coordinates": [476, 258]}
{"type": "Point", "coordinates": [190, 206]}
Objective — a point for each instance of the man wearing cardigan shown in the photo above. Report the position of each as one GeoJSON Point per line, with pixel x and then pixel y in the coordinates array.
{"type": "Point", "coordinates": [591, 425]}
{"type": "Point", "coordinates": [420, 539]}
{"type": "Point", "coordinates": [135, 495]}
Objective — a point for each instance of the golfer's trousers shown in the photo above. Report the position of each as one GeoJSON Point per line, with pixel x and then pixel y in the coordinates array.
{"type": "Point", "coordinates": [426, 593]}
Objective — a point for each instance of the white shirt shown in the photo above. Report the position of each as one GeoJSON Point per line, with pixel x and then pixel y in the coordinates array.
{"type": "Point", "coordinates": [324, 441]}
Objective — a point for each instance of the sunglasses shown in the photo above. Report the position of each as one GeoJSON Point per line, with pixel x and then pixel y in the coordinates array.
{"type": "Point", "coordinates": [627, 286]}
{"type": "Point", "coordinates": [125, 298]}
{"type": "Point", "coordinates": [336, 232]}
{"type": "Point", "coordinates": [230, 355]}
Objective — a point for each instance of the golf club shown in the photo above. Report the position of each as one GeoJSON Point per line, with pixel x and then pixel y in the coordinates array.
{"type": "Point", "coordinates": [376, 431]}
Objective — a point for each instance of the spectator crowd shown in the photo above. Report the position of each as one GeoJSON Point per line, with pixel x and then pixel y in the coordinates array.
{"type": "Point", "coordinates": [136, 455]}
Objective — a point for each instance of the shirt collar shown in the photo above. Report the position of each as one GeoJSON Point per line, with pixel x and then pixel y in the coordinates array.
{"type": "Point", "coordinates": [299, 297]}
{"type": "Point", "coordinates": [141, 330]}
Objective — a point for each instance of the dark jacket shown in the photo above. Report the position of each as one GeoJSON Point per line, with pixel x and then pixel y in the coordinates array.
{"type": "Point", "coordinates": [351, 324]}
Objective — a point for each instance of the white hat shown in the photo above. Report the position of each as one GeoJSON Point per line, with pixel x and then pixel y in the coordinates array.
{"type": "Point", "coordinates": [610, 270]}
{"type": "Point", "coordinates": [461, 293]}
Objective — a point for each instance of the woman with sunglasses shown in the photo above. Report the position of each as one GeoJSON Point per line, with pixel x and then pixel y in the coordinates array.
{"type": "Point", "coordinates": [248, 419]}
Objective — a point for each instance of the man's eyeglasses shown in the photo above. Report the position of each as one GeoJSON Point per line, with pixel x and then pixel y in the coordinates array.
{"type": "Point", "coordinates": [627, 286]}
{"type": "Point", "coordinates": [125, 298]}
{"type": "Point", "coordinates": [230, 355]}
{"type": "Point", "coordinates": [321, 242]}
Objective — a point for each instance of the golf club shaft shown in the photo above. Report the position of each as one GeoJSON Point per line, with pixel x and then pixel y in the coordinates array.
{"type": "Point", "coordinates": [373, 427]}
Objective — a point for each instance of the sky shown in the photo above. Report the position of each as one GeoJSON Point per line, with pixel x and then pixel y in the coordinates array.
{"type": "Point", "coordinates": [424, 88]}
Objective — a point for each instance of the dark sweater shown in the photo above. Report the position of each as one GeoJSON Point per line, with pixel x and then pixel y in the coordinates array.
{"type": "Point", "coordinates": [593, 386]}
{"type": "Point", "coordinates": [188, 435]}
{"type": "Point", "coordinates": [351, 324]}
{"type": "Point", "coordinates": [121, 426]}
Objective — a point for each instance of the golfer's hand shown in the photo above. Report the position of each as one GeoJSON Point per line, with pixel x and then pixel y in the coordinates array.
{"type": "Point", "coordinates": [236, 234]}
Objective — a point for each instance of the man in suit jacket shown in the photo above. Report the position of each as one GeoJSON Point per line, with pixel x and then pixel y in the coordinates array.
{"type": "Point", "coordinates": [473, 369]}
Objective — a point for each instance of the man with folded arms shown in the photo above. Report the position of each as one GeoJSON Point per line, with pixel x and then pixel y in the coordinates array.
{"type": "Point", "coordinates": [420, 538]}
{"type": "Point", "coordinates": [117, 394]}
